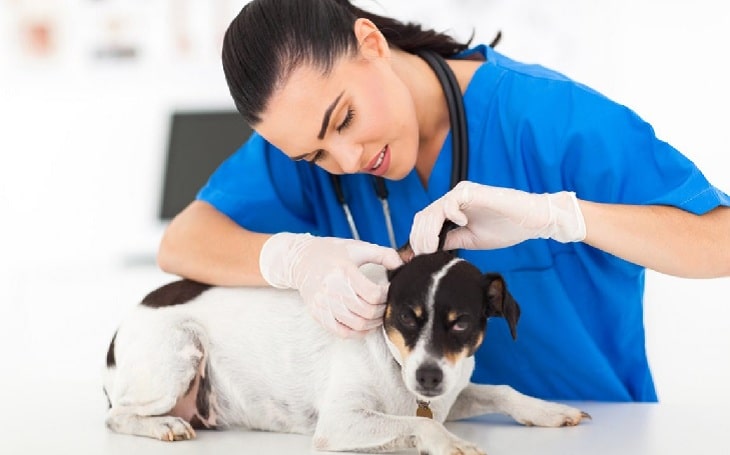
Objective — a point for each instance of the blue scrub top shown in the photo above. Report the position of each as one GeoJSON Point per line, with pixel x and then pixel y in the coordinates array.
{"type": "Point", "coordinates": [581, 333]}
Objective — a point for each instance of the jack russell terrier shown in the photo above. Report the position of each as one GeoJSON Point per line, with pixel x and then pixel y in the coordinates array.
{"type": "Point", "coordinates": [196, 356]}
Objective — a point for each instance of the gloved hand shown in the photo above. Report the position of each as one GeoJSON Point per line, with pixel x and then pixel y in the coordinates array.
{"type": "Point", "coordinates": [491, 217]}
{"type": "Point", "coordinates": [326, 272]}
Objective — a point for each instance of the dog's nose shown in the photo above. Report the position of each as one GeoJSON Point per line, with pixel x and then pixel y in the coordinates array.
{"type": "Point", "coordinates": [429, 376]}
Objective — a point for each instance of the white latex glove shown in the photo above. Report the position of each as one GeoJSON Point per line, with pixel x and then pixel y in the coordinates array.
{"type": "Point", "coordinates": [326, 272]}
{"type": "Point", "coordinates": [491, 217]}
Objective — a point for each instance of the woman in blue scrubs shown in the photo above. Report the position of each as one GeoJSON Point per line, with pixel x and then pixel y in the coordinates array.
{"type": "Point", "coordinates": [569, 195]}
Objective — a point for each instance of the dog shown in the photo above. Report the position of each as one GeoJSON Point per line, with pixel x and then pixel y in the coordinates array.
{"type": "Point", "coordinates": [193, 356]}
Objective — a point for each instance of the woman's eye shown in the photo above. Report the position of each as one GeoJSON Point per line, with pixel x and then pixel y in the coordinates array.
{"type": "Point", "coordinates": [317, 156]}
{"type": "Point", "coordinates": [347, 121]}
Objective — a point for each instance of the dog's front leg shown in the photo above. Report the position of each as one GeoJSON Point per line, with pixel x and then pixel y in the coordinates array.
{"type": "Point", "coordinates": [477, 399]}
{"type": "Point", "coordinates": [372, 431]}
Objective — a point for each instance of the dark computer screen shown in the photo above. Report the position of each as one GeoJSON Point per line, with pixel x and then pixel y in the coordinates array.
{"type": "Point", "coordinates": [198, 142]}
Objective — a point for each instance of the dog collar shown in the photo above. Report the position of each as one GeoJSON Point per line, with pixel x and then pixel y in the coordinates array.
{"type": "Point", "coordinates": [424, 410]}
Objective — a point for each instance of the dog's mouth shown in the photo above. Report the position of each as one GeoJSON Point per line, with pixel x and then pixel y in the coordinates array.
{"type": "Point", "coordinates": [426, 395]}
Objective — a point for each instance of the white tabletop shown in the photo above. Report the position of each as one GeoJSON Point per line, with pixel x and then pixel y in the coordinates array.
{"type": "Point", "coordinates": [69, 418]}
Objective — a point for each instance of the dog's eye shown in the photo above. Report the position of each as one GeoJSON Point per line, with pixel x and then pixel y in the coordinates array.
{"type": "Point", "coordinates": [408, 319]}
{"type": "Point", "coordinates": [461, 324]}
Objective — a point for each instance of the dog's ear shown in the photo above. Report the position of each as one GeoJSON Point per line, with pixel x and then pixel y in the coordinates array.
{"type": "Point", "coordinates": [392, 273]}
{"type": "Point", "coordinates": [499, 302]}
{"type": "Point", "coordinates": [406, 251]}
{"type": "Point", "coordinates": [406, 254]}
{"type": "Point", "coordinates": [448, 225]}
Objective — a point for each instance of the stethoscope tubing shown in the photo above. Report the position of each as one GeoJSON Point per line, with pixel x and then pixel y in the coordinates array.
{"type": "Point", "coordinates": [457, 114]}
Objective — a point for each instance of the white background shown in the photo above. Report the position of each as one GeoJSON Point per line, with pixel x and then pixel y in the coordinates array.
{"type": "Point", "coordinates": [82, 147]}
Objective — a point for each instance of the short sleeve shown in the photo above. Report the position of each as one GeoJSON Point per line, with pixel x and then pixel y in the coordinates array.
{"type": "Point", "coordinates": [577, 139]}
{"type": "Point", "coordinates": [260, 189]}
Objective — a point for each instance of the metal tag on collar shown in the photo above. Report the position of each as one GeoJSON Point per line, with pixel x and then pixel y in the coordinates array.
{"type": "Point", "coordinates": [424, 410]}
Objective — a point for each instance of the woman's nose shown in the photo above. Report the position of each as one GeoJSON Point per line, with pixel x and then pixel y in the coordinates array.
{"type": "Point", "coordinates": [349, 157]}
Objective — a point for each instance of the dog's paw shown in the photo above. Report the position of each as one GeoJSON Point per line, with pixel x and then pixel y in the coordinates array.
{"type": "Point", "coordinates": [170, 428]}
{"type": "Point", "coordinates": [445, 443]}
{"type": "Point", "coordinates": [549, 414]}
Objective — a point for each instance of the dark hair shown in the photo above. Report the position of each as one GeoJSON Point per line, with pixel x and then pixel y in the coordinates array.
{"type": "Point", "coordinates": [270, 38]}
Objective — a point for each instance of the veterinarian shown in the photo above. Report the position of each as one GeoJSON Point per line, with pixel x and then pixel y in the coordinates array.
{"type": "Point", "coordinates": [569, 195]}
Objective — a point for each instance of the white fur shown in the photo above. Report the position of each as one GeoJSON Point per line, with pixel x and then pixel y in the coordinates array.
{"type": "Point", "coordinates": [272, 367]}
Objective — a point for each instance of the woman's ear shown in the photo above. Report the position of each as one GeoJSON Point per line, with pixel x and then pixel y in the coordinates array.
{"type": "Point", "coordinates": [372, 43]}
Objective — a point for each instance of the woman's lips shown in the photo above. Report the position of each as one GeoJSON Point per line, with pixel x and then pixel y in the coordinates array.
{"type": "Point", "coordinates": [380, 163]}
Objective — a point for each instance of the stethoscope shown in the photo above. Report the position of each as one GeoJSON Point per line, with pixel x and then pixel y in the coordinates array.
{"type": "Point", "coordinates": [459, 145]}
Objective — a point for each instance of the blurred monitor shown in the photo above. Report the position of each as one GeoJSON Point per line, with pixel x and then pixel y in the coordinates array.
{"type": "Point", "coordinates": [198, 142]}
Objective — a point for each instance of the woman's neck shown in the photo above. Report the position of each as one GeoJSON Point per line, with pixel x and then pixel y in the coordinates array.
{"type": "Point", "coordinates": [430, 103]}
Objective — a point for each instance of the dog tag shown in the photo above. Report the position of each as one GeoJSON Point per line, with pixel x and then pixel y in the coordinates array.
{"type": "Point", "coordinates": [424, 410]}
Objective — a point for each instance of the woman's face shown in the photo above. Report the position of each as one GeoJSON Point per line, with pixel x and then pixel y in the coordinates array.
{"type": "Point", "coordinates": [359, 118]}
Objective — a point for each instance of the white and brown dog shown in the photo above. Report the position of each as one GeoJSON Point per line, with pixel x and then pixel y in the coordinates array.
{"type": "Point", "coordinates": [195, 356]}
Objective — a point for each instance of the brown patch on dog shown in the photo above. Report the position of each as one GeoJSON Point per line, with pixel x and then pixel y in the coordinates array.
{"type": "Point", "coordinates": [406, 253]}
{"type": "Point", "coordinates": [454, 357]}
{"type": "Point", "coordinates": [399, 342]}
{"type": "Point", "coordinates": [418, 311]}
{"type": "Point", "coordinates": [451, 317]}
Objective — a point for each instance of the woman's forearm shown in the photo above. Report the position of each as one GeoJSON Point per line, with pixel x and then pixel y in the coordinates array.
{"type": "Point", "coordinates": [203, 244]}
{"type": "Point", "coordinates": [666, 239]}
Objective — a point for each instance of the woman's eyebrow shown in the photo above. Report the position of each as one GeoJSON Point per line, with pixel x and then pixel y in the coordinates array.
{"type": "Point", "coordinates": [327, 114]}
{"type": "Point", "coordinates": [325, 122]}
